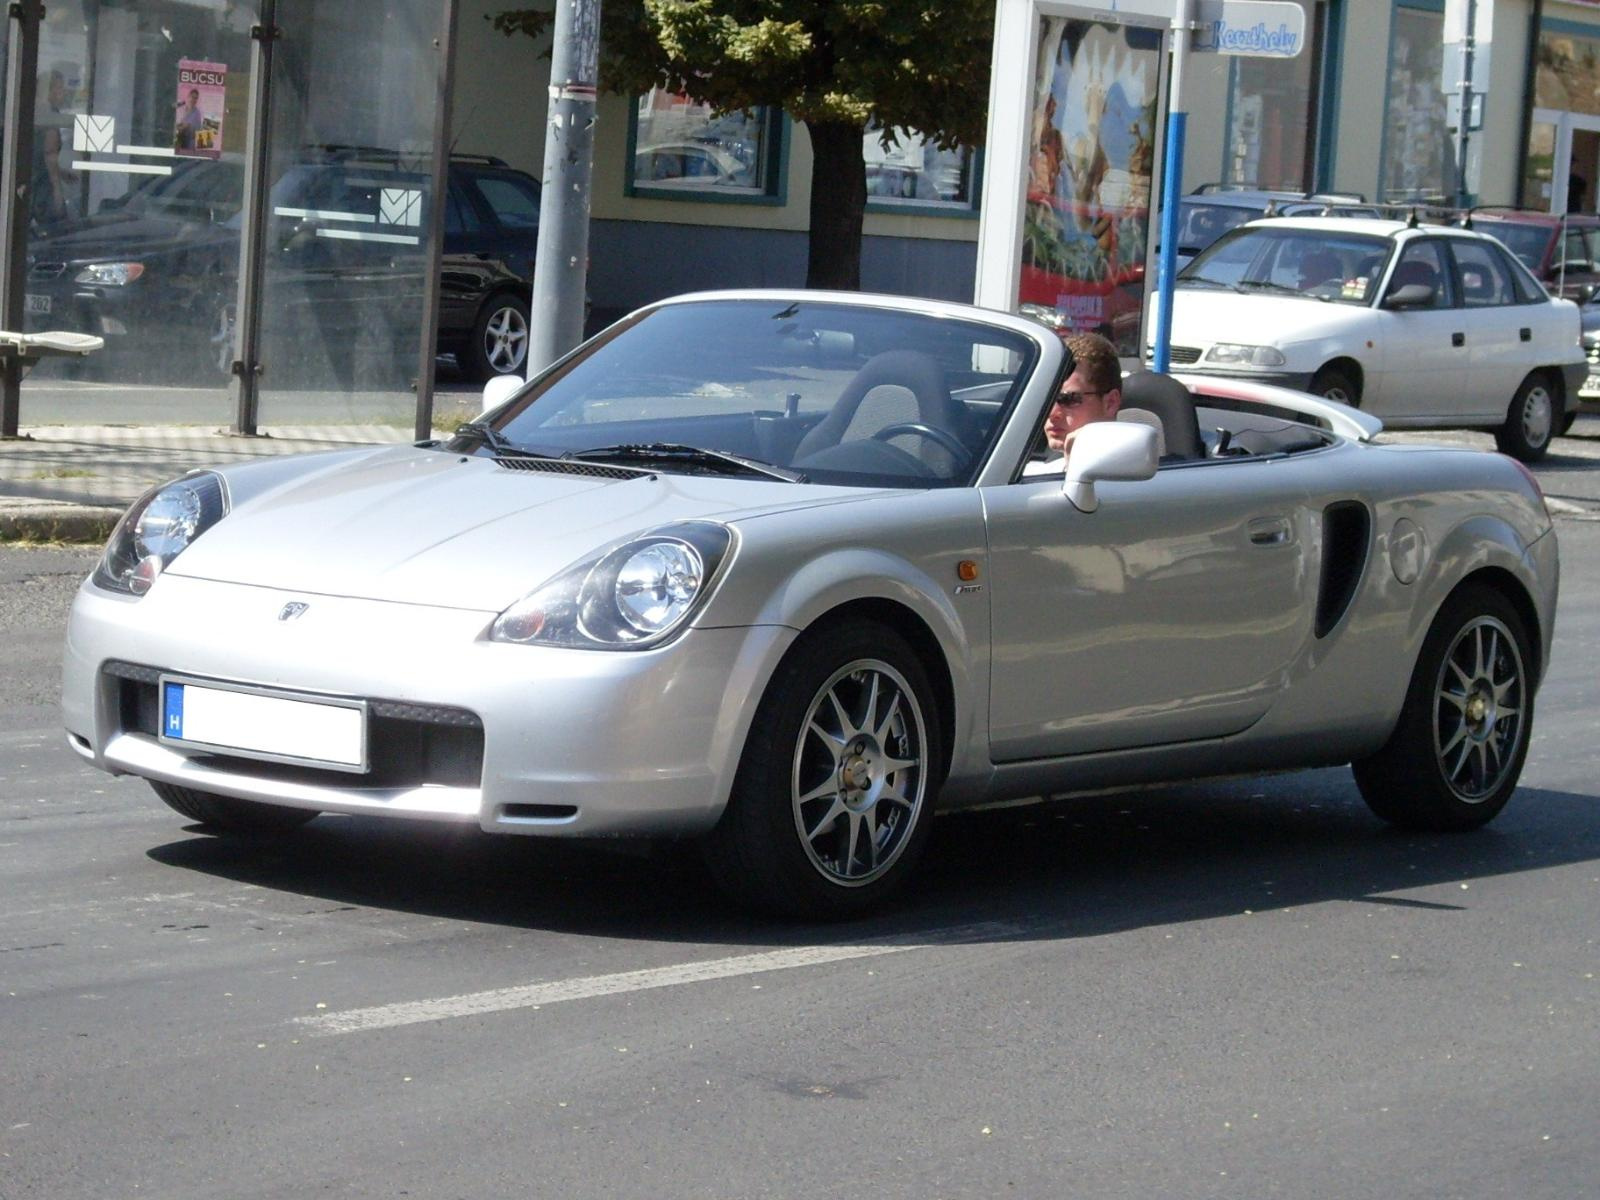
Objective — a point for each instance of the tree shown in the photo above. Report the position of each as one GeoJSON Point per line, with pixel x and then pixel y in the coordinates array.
{"type": "Point", "coordinates": [839, 67]}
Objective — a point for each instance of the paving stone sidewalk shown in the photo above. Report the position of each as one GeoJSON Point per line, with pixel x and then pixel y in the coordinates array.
{"type": "Point", "coordinates": [70, 483]}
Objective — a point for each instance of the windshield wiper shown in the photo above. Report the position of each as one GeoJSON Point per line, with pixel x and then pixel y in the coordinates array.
{"type": "Point", "coordinates": [495, 440]}
{"type": "Point", "coordinates": [1268, 285]}
{"type": "Point", "coordinates": [1202, 281]}
{"type": "Point", "coordinates": [676, 452]}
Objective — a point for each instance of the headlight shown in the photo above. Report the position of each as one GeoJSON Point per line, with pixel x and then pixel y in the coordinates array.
{"type": "Point", "coordinates": [631, 597]}
{"type": "Point", "coordinates": [110, 274]}
{"type": "Point", "coordinates": [160, 526]}
{"type": "Point", "coordinates": [1248, 356]}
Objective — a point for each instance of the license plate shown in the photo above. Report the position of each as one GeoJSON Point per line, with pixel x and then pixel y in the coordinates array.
{"type": "Point", "coordinates": [260, 723]}
{"type": "Point", "coordinates": [1591, 386]}
{"type": "Point", "coordinates": [36, 304]}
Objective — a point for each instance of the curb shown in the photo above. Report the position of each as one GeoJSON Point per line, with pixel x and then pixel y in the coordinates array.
{"type": "Point", "coordinates": [75, 524]}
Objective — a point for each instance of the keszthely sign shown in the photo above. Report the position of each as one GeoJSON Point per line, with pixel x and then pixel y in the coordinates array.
{"type": "Point", "coordinates": [1254, 28]}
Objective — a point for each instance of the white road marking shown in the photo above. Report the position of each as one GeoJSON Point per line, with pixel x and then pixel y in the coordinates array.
{"type": "Point", "coordinates": [472, 1004]}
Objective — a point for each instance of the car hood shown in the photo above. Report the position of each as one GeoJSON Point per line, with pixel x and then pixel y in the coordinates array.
{"type": "Point", "coordinates": [426, 527]}
{"type": "Point", "coordinates": [1201, 316]}
{"type": "Point", "coordinates": [127, 236]}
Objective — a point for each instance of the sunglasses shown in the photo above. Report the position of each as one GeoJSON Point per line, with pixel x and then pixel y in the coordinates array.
{"type": "Point", "coordinates": [1073, 399]}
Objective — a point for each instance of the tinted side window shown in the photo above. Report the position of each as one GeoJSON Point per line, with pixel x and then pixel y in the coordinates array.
{"type": "Point", "coordinates": [459, 216]}
{"type": "Point", "coordinates": [515, 201]}
{"type": "Point", "coordinates": [1485, 279]}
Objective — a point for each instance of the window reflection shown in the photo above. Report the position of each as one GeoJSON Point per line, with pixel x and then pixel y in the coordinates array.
{"type": "Point", "coordinates": [680, 143]}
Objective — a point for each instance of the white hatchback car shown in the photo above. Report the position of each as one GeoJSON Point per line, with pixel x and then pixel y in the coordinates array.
{"type": "Point", "coordinates": [1423, 326]}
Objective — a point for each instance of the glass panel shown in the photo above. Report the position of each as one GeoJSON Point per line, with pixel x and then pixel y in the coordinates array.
{"type": "Point", "coordinates": [1087, 220]}
{"type": "Point", "coordinates": [1538, 175]}
{"type": "Point", "coordinates": [1269, 119]}
{"type": "Point", "coordinates": [1423, 263]}
{"type": "Point", "coordinates": [1418, 151]}
{"type": "Point", "coordinates": [912, 169]}
{"type": "Point", "coordinates": [681, 145]}
{"type": "Point", "coordinates": [1485, 282]}
{"type": "Point", "coordinates": [348, 212]}
{"type": "Point", "coordinates": [140, 124]}
{"type": "Point", "coordinates": [1568, 75]}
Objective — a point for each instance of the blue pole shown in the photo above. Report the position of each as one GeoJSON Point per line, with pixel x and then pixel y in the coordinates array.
{"type": "Point", "coordinates": [1171, 185]}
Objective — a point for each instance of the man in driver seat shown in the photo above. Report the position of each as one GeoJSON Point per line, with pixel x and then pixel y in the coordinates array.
{"type": "Point", "coordinates": [1093, 392]}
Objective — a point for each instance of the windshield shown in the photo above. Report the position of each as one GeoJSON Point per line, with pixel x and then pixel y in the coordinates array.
{"type": "Point", "coordinates": [1527, 242]}
{"type": "Point", "coordinates": [1316, 264]}
{"type": "Point", "coordinates": [833, 393]}
{"type": "Point", "coordinates": [1200, 224]}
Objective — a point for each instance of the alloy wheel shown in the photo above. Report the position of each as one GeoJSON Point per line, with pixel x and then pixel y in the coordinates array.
{"type": "Point", "coordinates": [859, 777]}
{"type": "Point", "coordinates": [1479, 701]}
{"type": "Point", "coordinates": [505, 340]}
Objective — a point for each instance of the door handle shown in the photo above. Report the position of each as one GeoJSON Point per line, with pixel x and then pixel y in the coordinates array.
{"type": "Point", "coordinates": [1269, 531]}
{"type": "Point", "coordinates": [1525, 334]}
{"type": "Point", "coordinates": [1458, 339]}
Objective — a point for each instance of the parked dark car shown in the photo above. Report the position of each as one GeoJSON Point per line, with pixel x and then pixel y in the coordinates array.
{"type": "Point", "coordinates": [155, 272]}
{"type": "Point", "coordinates": [1561, 250]}
{"type": "Point", "coordinates": [1212, 209]}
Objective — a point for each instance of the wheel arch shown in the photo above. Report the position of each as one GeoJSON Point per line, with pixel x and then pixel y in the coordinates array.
{"type": "Point", "coordinates": [1348, 366]}
{"type": "Point", "coordinates": [924, 644]}
{"type": "Point", "coordinates": [1517, 595]}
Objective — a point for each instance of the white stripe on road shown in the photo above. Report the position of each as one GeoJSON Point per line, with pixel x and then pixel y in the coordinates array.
{"type": "Point", "coordinates": [387, 1016]}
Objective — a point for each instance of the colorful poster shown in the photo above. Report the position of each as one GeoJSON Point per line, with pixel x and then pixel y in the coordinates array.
{"type": "Point", "coordinates": [202, 99]}
{"type": "Point", "coordinates": [1091, 159]}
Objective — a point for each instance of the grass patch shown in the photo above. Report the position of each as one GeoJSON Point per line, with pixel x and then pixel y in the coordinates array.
{"type": "Point", "coordinates": [63, 473]}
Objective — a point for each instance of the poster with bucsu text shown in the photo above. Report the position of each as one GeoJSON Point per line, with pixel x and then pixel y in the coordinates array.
{"type": "Point", "coordinates": [202, 99]}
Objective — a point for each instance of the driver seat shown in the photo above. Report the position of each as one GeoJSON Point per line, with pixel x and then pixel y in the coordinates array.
{"type": "Point", "coordinates": [907, 370]}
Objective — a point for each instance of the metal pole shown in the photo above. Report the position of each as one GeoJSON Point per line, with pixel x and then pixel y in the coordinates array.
{"type": "Point", "coordinates": [245, 385]}
{"type": "Point", "coordinates": [1463, 197]}
{"type": "Point", "coordinates": [562, 265]}
{"type": "Point", "coordinates": [16, 197]}
{"type": "Point", "coordinates": [1172, 185]}
{"type": "Point", "coordinates": [445, 51]}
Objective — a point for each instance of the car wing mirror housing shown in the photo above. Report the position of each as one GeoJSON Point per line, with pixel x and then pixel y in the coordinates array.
{"type": "Point", "coordinates": [1409, 295]}
{"type": "Point", "coordinates": [1108, 450]}
{"type": "Point", "coordinates": [498, 390]}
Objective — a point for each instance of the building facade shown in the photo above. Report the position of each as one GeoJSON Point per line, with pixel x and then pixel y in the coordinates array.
{"type": "Point", "coordinates": [145, 115]}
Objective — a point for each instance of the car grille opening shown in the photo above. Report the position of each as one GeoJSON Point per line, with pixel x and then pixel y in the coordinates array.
{"type": "Point", "coordinates": [564, 466]}
{"type": "Point", "coordinates": [408, 745]}
{"type": "Point", "coordinates": [1183, 355]}
{"type": "Point", "coordinates": [538, 812]}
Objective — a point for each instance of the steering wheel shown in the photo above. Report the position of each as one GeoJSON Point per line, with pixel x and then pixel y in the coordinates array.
{"type": "Point", "coordinates": [959, 453]}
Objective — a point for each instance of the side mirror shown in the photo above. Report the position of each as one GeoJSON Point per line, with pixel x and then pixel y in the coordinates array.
{"type": "Point", "coordinates": [1109, 450]}
{"type": "Point", "coordinates": [1410, 295]}
{"type": "Point", "coordinates": [499, 389]}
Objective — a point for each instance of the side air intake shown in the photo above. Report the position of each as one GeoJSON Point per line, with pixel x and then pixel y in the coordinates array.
{"type": "Point", "coordinates": [1346, 545]}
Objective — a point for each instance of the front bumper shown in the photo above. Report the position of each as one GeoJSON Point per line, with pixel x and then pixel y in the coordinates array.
{"type": "Point", "coordinates": [574, 742]}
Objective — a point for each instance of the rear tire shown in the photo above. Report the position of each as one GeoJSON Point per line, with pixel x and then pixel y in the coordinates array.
{"type": "Point", "coordinates": [1534, 416]}
{"type": "Point", "coordinates": [834, 794]}
{"type": "Point", "coordinates": [499, 340]}
{"type": "Point", "coordinates": [228, 815]}
{"type": "Point", "coordinates": [1454, 758]}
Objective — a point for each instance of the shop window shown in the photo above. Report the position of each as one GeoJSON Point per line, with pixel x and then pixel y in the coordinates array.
{"type": "Point", "coordinates": [682, 147]}
{"type": "Point", "coordinates": [911, 171]}
{"type": "Point", "coordinates": [1568, 73]}
{"type": "Point", "coordinates": [1418, 149]}
{"type": "Point", "coordinates": [1271, 108]}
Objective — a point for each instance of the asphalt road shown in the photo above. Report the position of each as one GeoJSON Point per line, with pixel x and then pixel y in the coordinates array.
{"type": "Point", "coordinates": [1240, 989]}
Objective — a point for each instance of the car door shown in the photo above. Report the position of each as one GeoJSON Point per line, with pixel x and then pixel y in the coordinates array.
{"type": "Point", "coordinates": [1174, 612]}
{"type": "Point", "coordinates": [1499, 331]}
{"type": "Point", "coordinates": [1423, 349]}
{"type": "Point", "coordinates": [466, 270]}
{"type": "Point", "coordinates": [513, 203]}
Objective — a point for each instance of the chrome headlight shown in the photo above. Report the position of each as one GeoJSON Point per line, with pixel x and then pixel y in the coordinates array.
{"type": "Point", "coordinates": [631, 597]}
{"type": "Point", "coordinates": [115, 274]}
{"type": "Point", "coordinates": [160, 526]}
{"type": "Point", "coordinates": [1247, 356]}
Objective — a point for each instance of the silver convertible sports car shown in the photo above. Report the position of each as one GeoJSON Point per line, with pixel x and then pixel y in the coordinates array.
{"type": "Point", "coordinates": [778, 572]}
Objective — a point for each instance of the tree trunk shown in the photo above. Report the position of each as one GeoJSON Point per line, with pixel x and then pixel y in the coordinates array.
{"type": "Point", "coordinates": [838, 202]}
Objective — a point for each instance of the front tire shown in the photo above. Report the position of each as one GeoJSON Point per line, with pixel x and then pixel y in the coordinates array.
{"type": "Point", "coordinates": [833, 798]}
{"type": "Point", "coordinates": [1532, 420]}
{"type": "Point", "coordinates": [1333, 384]}
{"type": "Point", "coordinates": [1456, 754]}
{"type": "Point", "coordinates": [225, 814]}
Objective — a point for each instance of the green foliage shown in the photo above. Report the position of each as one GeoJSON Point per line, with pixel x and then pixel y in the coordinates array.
{"type": "Point", "coordinates": [918, 64]}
